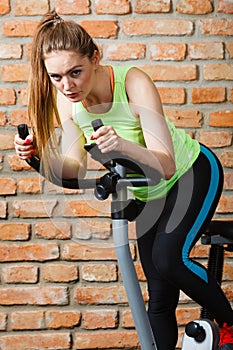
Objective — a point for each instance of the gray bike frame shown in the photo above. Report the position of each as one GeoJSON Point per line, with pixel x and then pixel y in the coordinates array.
{"type": "Point", "coordinates": [129, 276]}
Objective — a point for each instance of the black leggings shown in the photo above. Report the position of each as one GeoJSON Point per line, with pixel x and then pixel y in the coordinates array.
{"type": "Point", "coordinates": [167, 229]}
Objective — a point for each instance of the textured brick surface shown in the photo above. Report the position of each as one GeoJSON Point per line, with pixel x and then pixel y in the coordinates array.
{"type": "Point", "coordinates": [61, 287]}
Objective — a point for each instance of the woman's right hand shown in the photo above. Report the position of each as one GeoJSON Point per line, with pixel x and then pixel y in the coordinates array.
{"type": "Point", "coordinates": [24, 148]}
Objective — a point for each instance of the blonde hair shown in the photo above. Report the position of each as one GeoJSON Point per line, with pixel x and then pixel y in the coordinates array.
{"type": "Point", "coordinates": [52, 34]}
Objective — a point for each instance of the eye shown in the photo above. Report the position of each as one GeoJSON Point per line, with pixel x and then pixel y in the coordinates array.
{"type": "Point", "coordinates": [75, 73]}
{"type": "Point", "coordinates": [55, 77]}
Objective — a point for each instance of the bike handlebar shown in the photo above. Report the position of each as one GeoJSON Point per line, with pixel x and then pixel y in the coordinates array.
{"type": "Point", "coordinates": [111, 161]}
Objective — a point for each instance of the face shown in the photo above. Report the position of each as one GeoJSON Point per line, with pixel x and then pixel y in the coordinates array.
{"type": "Point", "coordinates": [71, 74]}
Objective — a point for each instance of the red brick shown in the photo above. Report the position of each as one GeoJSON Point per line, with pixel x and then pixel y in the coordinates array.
{"type": "Point", "coordinates": [228, 181]}
{"type": "Point", "coordinates": [16, 163]}
{"type": "Point", "coordinates": [221, 118]}
{"type": "Point", "coordinates": [73, 7]}
{"type": "Point", "coordinates": [115, 7]}
{"type": "Point", "coordinates": [206, 50]}
{"type": "Point", "coordinates": [127, 319]}
{"type": "Point", "coordinates": [229, 48]}
{"type": "Point", "coordinates": [167, 51]}
{"type": "Point", "coordinates": [23, 96]}
{"type": "Point", "coordinates": [216, 139]}
{"type": "Point", "coordinates": [14, 231]}
{"type": "Point", "coordinates": [88, 251]}
{"type": "Point", "coordinates": [15, 72]}
{"type": "Point", "coordinates": [20, 274]}
{"type": "Point", "coordinates": [34, 208]}
{"type": "Point", "coordinates": [51, 188]}
{"type": "Point", "coordinates": [8, 51]}
{"type": "Point", "coordinates": [53, 230]}
{"type": "Point", "coordinates": [225, 6]}
{"type": "Point", "coordinates": [30, 7]}
{"type": "Point", "coordinates": [52, 341]}
{"type": "Point", "coordinates": [56, 319]}
{"type": "Point", "coordinates": [86, 208]}
{"type": "Point", "coordinates": [157, 27]}
{"type": "Point", "coordinates": [231, 95]}
{"type": "Point", "coordinates": [86, 229]}
{"type": "Point", "coordinates": [208, 95]}
{"type": "Point", "coordinates": [104, 295]}
{"type": "Point", "coordinates": [125, 51]}
{"type": "Point", "coordinates": [3, 209]}
{"type": "Point", "coordinates": [140, 272]}
{"type": "Point", "coordinates": [28, 252]}
{"type": "Point", "coordinates": [116, 340]}
{"type": "Point", "coordinates": [1, 161]}
{"type": "Point", "coordinates": [7, 141]}
{"type": "Point", "coordinates": [7, 96]}
{"type": "Point", "coordinates": [29, 185]}
{"type": "Point", "coordinates": [3, 321]}
{"type": "Point", "coordinates": [4, 7]}
{"type": "Point", "coordinates": [199, 251]}
{"type": "Point", "coordinates": [227, 159]}
{"type": "Point", "coordinates": [198, 7]}
{"type": "Point", "coordinates": [59, 273]}
{"type": "Point", "coordinates": [172, 95]}
{"type": "Point", "coordinates": [227, 271]}
{"type": "Point", "coordinates": [3, 120]}
{"type": "Point", "coordinates": [184, 72]}
{"type": "Point", "coordinates": [27, 320]}
{"type": "Point", "coordinates": [187, 314]}
{"type": "Point", "coordinates": [151, 6]}
{"type": "Point", "coordinates": [7, 186]}
{"type": "Point", "coordinates": [227, 288]}
{"type": "Point", "coordinates": [42, 295]}
{"type": "Point", "coordinates": [100, 28]}
{"type": "Point", "coordinates": [225, 204]}
{"type": "Point", "coordinates": [19, 116]}
{"type": "Point", "coordinates": [99, 272]}
{"type": "Point", "coordinates": [218, 71]}
{"type": "Point", "coordinates": [100, 319]}
{"type": "Point", "coordinates": [14, 28]}
{"type": "Point", "coordinates": [185, 118]}
{"type": "Point", "coordinates": [216, 26]}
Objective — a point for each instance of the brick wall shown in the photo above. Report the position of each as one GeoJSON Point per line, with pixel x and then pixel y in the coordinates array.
{"type": "Point", "coordinates": [60, 285]}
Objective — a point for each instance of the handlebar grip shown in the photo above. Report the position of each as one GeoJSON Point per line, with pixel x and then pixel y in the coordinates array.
{"type": "Point", "coordinates": [23, 131]}
{"type": "Point", "coordinates": [34, 161]}
{"type": "Point", "coordinates": [96, 124]}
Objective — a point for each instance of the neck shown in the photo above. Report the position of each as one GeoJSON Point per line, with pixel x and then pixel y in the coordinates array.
{"type": "Point", "coordinates": [101, 96]}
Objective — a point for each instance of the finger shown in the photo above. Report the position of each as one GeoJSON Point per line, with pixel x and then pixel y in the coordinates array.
{"type": "Point", "coordinates": [103, 130]}
{"type": "Point", "coordinates": [24, 155]}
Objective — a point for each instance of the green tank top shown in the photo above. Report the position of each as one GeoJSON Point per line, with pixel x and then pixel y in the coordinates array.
{"type": "Point", "coordinates": [120, 117]}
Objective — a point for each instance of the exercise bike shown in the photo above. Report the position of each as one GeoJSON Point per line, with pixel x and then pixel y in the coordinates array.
{"type": "Point", "coordinates": [203, 334]}
{"type": "Point", "coordinates": [199, 334]}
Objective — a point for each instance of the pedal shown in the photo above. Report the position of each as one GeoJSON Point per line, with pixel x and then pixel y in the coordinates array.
{"type": "Point", "coordinates": [200, 335]}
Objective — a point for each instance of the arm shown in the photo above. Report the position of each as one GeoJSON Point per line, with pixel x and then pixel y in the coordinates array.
{"type": "Point", "coordinates": [145, 104]}
{"type": "Point", "coordinates": [72, 143]}
{"type": "Point", "coordinates": [72, 163]}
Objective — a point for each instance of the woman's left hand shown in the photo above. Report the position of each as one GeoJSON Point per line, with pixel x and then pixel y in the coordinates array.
{"type": "Point", "coordinates": [107, 139]}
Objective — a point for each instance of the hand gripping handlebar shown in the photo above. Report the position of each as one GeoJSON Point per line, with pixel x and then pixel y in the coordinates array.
{"type": "Point", "coordinates": [109, 182]}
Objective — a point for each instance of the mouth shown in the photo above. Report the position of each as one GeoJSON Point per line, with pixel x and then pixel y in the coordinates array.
{"type": "Point", "coordinates": [73, 95]}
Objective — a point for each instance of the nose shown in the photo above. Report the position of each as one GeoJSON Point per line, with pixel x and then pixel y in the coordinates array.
{"type": "Point", "coordinates": [67, 83]}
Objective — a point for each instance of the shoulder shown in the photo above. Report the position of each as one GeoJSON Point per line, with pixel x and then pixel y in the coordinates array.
{"type": "Point", "coordinates": [64, 107]}
{"type": "Point", "coordinates": [134, 73]}
{"type": "Point", "coordinates": [139, 86]}
{"type": "Point", "coordinates": [137, 80]}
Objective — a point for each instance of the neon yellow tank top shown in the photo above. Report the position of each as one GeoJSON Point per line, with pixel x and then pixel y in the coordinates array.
{"type": "Point", "coordinates": [120, 117]}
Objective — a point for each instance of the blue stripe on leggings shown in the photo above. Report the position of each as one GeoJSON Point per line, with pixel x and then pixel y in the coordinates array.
{"type": "Point", "coordinates": [198, 270]}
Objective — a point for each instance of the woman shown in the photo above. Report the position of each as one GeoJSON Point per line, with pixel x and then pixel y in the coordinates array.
{"type": "Point", "coordinates": [68, 81]}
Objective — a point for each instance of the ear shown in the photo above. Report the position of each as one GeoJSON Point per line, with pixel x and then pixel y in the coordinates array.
{"type": "Point", "coordinates": [96, 58]}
